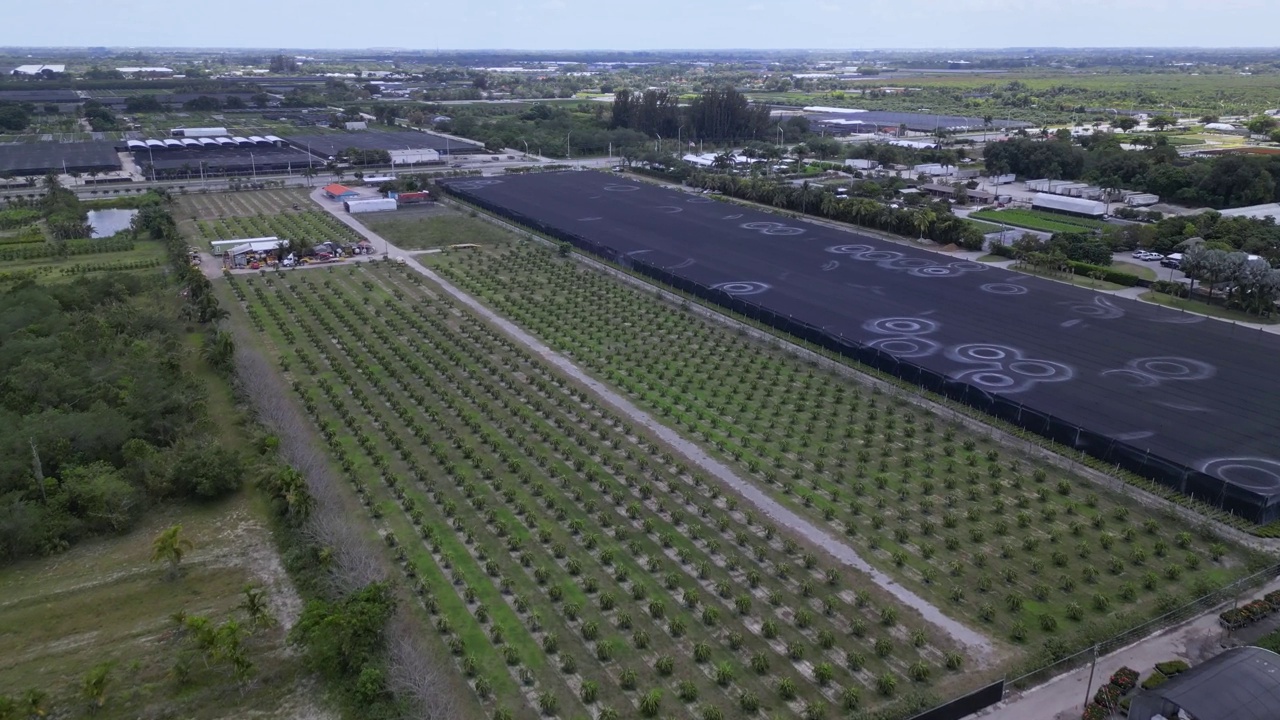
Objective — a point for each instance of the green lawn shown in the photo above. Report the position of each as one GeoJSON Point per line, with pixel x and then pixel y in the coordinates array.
{"type": "Point", "coordinates": [422, 232]}
{"type": "Point", "coordinates": [985, 227]}
{"type": "Point", "coordinates": [1039, 220]}
{"type": "Point", "coordinates": [1203, 308]}
{"type": "Point", "coordinates": [1081, 280]}
{"type": "Point", "coordinates": [1142, 271]}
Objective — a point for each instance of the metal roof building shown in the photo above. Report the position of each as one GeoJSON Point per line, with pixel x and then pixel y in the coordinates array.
{"type": "Point", "coordinates": [1240, 684]}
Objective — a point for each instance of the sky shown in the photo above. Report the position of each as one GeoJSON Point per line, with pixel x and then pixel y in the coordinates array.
{"type": "Point", "coordinates": [640, 24]}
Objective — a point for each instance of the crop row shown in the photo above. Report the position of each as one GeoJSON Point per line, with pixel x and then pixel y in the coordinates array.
{"type": "Point", "coordinates": [592, 543]}
{"type": "Point", "coordinates": [309, 227]}
{"type": "Point", "coordinates": [117, 266]}
{"type": "Point", "coordinates": [64, 248]}
{"type": "Point", "coordinates": [228, 204]}
{"type": "Point", "coordinates": [1029, 550]}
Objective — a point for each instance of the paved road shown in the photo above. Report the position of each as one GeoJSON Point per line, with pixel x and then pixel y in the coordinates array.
{"type": "Point", "coordinates": [977, 645]}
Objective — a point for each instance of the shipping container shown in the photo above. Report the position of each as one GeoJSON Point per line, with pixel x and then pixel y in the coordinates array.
{"type": "Point", "coordinates": [410, 198]}
{"type": "Point", "coordinates": [1038, 185]}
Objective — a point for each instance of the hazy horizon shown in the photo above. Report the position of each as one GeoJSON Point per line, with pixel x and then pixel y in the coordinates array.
{"type": "Point", "coordinates": [658, 25]}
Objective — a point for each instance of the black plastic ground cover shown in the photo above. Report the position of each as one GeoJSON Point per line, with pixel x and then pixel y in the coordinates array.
{"type": "Point", "coordinates": [1191, 402]}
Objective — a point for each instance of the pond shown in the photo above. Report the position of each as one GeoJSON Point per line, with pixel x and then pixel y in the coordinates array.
{"type": "Point", "coordinates": [106, 223]}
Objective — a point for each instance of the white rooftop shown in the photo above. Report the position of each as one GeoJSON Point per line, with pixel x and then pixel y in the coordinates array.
{"type": "Point", "coordinates": [1255, 211]}
{"type": "Point", "coordinates": [37, 69]}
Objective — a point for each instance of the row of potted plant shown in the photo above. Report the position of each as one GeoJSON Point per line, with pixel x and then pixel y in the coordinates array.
{"type": "Point", "coordinates": [1250, 612]}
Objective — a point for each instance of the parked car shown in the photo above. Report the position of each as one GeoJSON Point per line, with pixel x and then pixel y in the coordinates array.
{"type": "Point", "coordinates": [1172, 261]}
{"type": "Point", "coordinates": [1140, 253]}
{"type": "Point", "coordinates": [1152, 256]}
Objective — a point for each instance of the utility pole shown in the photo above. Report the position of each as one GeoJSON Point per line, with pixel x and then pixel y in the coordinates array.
{"type": "Point", "coordinates": [1088, 691]}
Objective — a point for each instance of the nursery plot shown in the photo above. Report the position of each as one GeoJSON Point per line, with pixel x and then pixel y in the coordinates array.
{"type": "Point", "coordinates": [571, 564]}
{"type": "Point", "coordinates": [1028, 552]}
{"type": "Point", "coordinates": [303, 228]}
{"type": "Point", "coordinates": [207, 206]}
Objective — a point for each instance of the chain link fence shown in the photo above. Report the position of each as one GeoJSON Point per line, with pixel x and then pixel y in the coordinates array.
{"type": "Point", "coordinates": [1215, 601]}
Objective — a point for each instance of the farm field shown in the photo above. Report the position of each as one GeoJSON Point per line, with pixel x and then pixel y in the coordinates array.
{"type": "Point", "coordinates": [1024, 551]}
{"type": "Point", "coordinates": [305, 228]}
{"type": "Point", "coordinates": [53, 261]}
{"type": "Point", "coordinates": [1039, 220]}
{"type": "Point", "coordinates": [437, 230]}
{"type": "Point", "coordinates": [207, 206]}
{"type": "Point", "coordinates": [573, 566]}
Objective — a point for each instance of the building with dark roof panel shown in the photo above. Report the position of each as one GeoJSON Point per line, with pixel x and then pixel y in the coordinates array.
{"type": "Point", "coordinates": [40, 96]}
{"type": "Point", "coordinates": [1240, 684]}
{"type": "Point", "coordinates": [44, 157]}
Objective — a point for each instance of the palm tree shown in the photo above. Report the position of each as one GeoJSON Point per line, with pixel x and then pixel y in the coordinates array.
{"type": "Point", "coordinates": [255, 606]}
{"type": "Point", "coordinates": [921, 219]}
{"type": "Point", "coordinates": [170, 546]}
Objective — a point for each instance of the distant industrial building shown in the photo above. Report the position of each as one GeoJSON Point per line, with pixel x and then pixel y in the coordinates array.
{"type": "Point", "coordinates": [201, 157]}
{"type": "Point", "coordinates": [844, 121]}
{"type": "Point", "coordinates": [209, 132]}
{"type": "Point", "coordinates": [145, 71]}
{"type": "Point", "coordinates": [31, 70]}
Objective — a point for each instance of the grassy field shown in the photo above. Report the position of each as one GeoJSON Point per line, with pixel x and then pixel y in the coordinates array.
{"type": "Point", "coordinates": [304, 229]}
{"type": "Point", "coordinates": [1143, 271]}
{"type": "Point", "coordinates": [436, 230]}
{"type": "Point", "coordinates": [240, 204]}
{"type": "Point", "coordinates": [104, 601]}
{"type": "Point", "coordinates": [1023, 550]}
{"type": "Point", "coordinates": [573, 563]}
{"type": "Point", "coordinates": [1039, 220]}
{"type": "Point", "coordinates": [1204, 308]}
{"type": "Point", "coordinates": [984, 227]}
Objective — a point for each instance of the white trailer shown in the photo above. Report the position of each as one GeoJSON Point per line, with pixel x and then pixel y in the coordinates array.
{"type": "Point", "coordinates": [1141, 200]}
{"type": "Point", "coordinates": [364, 206]}
{"type": "Point", "coordinates": [1038, 185]}
{"type": "Point", "coordinates": [1074, 206]}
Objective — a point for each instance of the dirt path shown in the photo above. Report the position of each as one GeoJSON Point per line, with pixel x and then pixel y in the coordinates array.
{"type": "Point", "coordinates": [976, 643]}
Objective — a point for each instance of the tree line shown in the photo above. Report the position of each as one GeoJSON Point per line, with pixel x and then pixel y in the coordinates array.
{"type": "Point", "coordinates": [1224, 181]}
{"type": "Point", "coordinates": [930, 219]}
{"type": "Point", "coordinates": [716, 114]}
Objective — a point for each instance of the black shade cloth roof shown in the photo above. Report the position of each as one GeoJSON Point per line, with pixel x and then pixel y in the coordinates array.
{"type": "Point", "coordinates": [1240, 684]}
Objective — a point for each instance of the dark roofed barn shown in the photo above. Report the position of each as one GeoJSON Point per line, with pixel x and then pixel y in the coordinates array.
{"type": "Point", "coordinates": [43, 157]}
{"type": "Point", "coordinates": [1240, 684]}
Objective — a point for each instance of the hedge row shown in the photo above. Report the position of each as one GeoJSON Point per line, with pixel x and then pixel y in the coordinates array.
{"type": "Point", "coordinates": [1103, 273]}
